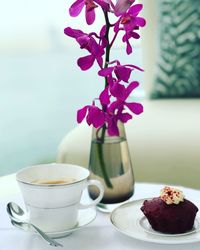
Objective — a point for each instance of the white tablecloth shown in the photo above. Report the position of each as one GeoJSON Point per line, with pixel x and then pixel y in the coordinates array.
{"type": "Point", "coordinates": [99, 235]}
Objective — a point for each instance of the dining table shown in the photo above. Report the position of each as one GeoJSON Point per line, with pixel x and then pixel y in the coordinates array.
{"type": "Point", "coordinates": [101, 233]}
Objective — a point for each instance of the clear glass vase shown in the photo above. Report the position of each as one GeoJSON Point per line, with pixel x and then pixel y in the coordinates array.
{"type": "Point", "coordinates": [111, 164]}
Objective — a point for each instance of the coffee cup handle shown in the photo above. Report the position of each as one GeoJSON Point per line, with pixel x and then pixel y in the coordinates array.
{"type": "Point", "coordinates": [98, 199]}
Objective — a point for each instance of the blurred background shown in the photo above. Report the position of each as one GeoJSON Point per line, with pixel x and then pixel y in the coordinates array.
{"type": "Point", "coordinates": [41, 87]}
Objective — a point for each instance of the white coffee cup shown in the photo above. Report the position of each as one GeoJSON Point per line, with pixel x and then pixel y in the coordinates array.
{"type": "Point", "coordinates": [52, 203]}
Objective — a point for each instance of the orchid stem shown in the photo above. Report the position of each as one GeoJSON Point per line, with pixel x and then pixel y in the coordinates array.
{"type": "Point", "coordinates": [107, 57]}
{"type": "Point", "coordinates": [102, 137]}
{"type": "Point", "coordinates": [101, 140]}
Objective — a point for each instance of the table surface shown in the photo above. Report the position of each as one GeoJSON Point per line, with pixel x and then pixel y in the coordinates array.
{"type": "Point", "coordinates": [99, 235]}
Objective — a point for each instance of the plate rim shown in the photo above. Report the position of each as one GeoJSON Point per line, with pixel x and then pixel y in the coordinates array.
{"type": "Point", "coordinates": [160, 239]}
{"type": "Point", "coordinates": [154, 232]}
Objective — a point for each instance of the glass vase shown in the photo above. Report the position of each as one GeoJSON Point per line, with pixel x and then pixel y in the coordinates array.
{"type": "Point", "coordinates": [110, 163]}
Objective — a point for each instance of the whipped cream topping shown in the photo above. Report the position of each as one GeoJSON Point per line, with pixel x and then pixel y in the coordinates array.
{"type": "Point", "coordinates": [171, 195]}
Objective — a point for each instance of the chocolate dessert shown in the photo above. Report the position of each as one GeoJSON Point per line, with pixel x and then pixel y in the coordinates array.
{"type": "Point", "coordinates": [171, 212]}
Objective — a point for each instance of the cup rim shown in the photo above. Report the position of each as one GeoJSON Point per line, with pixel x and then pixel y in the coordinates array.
{"type": "Point", "coordinates": [50, 185]}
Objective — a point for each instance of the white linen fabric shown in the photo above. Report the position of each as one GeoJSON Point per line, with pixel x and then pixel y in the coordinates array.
{"type": "Point", "coordinates": [99, 235]}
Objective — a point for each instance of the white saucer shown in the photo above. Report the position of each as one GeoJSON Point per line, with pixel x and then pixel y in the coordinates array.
{"type": "Point", "coordinates": [85, 217]}
{"type": "Point", "coordinates": [129, 220]}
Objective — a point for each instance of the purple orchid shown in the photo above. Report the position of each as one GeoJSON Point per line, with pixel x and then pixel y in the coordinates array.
{"type": "Point", "coordinates": [115, 110]}
{"type": "Point", "coordinates": [90, 6]}
{"type": "Point", "coordinates": [93, 114]}
{"type": "Point", "coordinates": [136, 108]}
{"type": "Point", "coordinates": [122, 93]}
{"type": "Point", "coordinates": [89, 43]}
{"type": "Point", "coordinates": [122, 72]}
{"type": "Point", "coordinates": [112, 121]}
{"type": "Point", "coordinates": [130, 22]}
{"type": "Point", "coordinates": [113, 99]}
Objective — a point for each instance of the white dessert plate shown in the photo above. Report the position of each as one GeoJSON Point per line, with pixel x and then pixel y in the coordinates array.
{"type": "Point", "coordinates": [129, 220]}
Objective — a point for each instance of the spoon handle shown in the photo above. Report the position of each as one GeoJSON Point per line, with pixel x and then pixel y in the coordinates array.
{"type": "Point", "coordinates": [51, 241]}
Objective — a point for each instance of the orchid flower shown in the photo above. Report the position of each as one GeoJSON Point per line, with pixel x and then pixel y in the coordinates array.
{"type": "Point", "coordinates": [116, 109]}
{"type": "Point", "coordinates": [93, 114]}
{"type": "Point", "coordinates": [90, 6]}
{"type": "Point", "coordinates": [122, 72]}
{"type": "Point", "coordinates": [136, 108]}
{"type": "Point", "coordinates": [89, 43]}
{"type": "Point", "coordinates": [130, 22]}
{"type": "Point", "coordinates": [112, 121]}
{"type": "Point", "coordinates": [113, 98]}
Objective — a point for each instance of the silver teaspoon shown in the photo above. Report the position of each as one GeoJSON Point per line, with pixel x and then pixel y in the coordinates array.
{"type": "Point", "coordinates": [15, 212]}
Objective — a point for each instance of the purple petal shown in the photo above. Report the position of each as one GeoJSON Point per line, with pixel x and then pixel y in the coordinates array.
{"type": "Point", "coordinates": [90, 16]}
{"type": "Point", "coordinates": [124, 117]}
{"type": "Point", "coordinates": [128, 48]}
{"type": "Point", "coordinates": [76, 8]}
{"type": "Point", "coordinates": [129, 26]}
{"type": "Point", "coordinates": [117, 24]}
{"type": "Point", "coordinates": [140, 21]}
{"type": "Point", "coordinates": [102, 34]}
{"type": "Point", "coordinates": [83, 40]}
{"type": "Point", "coordinates": [73, 32]}
{"type": "Point", "coordinates": [110, 80]}
{"type": "Point", "coordinates": [114, 106]}
{"type": "Point", "coordinates": [94, 48]}
{"type": "Point", "coordinates": [81, 113]}
{"type": "Point", "coordinates": [104, 97]}
{"type": "Point", "coordinates": [124, 38]}
{"type": "Point", "coordinates": [131, 87]}
{"type": "Point", "coordinates": [103, 31]}
{"type": "Point", "coordinates": [118, 90]}
{"type": "Point", "coordinates": [134, 67]}
{"type": "Point", "coordinates": [106, 71]}
{"type": "Point", "coordinates": [123, 73]}
{"type": "Point", "coordinates": [95, 117]}
{"type": "Point", "coordinates": [99, 120]}
{"type": "Point", "coordinates": [86, 62]}
{"type": "Point", "coordinates": [135, 35]}
{"type": "Point", "coordinates": [113, 128]}
{"type": "Point", "coordinates": [135, 9]}
{"type": "Point", "coordinates": [104, 42]}
{"type": "Point", "coordinates": [100, 61]}
{"type": "Point", "coordinates": [135, 107]}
